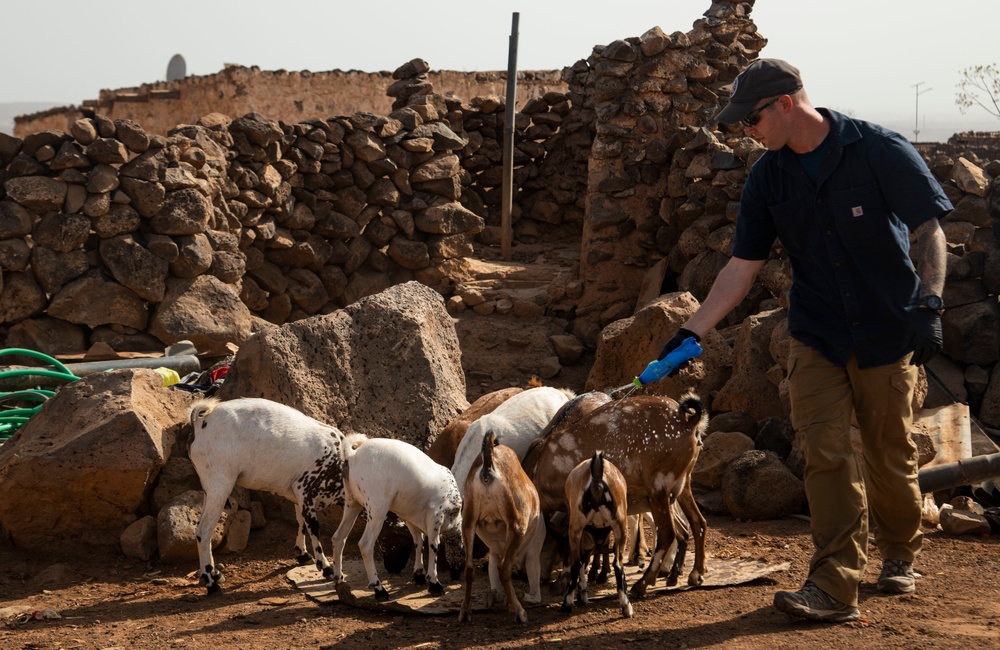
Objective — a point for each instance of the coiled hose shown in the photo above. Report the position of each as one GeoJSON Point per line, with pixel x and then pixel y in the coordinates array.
{"type": "Point", "coordinates": [13, 417]}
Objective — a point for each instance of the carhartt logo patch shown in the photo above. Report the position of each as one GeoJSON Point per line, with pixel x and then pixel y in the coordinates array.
{"type": "Point", "coordinates": [857, 211]}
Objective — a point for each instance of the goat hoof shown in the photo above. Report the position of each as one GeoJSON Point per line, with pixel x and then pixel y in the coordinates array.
{"type": "Point", "coordinates": [381, 595]}
{"type": "Point", "coordinates": [435, 588]}
{"type": "Point", "coordinates": [328, 573]}
{"type": "Point", "coordinates": [464, 615]}
{"type": "Point", "coordinates": [566, 609]}
{"type": "Point", "coordinates": [419, 578]}
{"type": "Point", "coordinates": [627, 611]}
{"type": "Point", "coordinates": [638, 590]}
{"type": "Point", "coordinates": [694, 579]}
{"type": "Point", "coordinates": [304, 559]}
{"type": "Point", "coordinates": [602, 579]}
{"type": "Point", "coordinates": [521, 616]}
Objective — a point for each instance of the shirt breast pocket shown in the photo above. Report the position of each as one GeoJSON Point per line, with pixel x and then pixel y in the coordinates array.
{"type": "Point", "coordinates": [858, 212]}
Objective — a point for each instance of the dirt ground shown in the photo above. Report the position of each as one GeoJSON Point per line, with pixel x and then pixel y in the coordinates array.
{"type": "Point", "coordinates": [107, 601]}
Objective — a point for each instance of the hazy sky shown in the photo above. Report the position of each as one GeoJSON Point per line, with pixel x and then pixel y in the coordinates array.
{"type": "Point", "coordinates": [859, 56]}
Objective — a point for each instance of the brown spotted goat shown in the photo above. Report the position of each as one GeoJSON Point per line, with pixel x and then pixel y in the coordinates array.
{"type": "Point", "coordinates": [596, 494]}
{"type": "Point", "coordinates": [500, 505]}
{"type": "Point", "coordinates": [654, 441]}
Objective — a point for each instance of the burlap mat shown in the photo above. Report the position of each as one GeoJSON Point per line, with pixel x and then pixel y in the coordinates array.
{"type": "Point", "coordinates": [406, 597]}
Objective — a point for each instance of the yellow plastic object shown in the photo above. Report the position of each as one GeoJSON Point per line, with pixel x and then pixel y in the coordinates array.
{"type": "Point", "coordinates": [170, 376]}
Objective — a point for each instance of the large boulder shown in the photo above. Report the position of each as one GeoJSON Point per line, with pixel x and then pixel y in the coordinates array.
{"type": "Point", "coordinates": [627, 345]}
{"type": "Point", "coordinates": [81, 469]}
{"type": "Point", "coordinates": [757, 485]}
{"type": "Point", "coordinates": [748, 389]}
{"type": "Point", "coordinates": [388, 366]}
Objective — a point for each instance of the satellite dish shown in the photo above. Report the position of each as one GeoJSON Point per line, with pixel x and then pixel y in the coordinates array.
{"type": "Point", "coordinates": [176, 69]}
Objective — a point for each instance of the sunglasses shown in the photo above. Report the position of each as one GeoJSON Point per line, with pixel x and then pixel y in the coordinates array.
{"type": "Point", "coordinates": [754, 116]}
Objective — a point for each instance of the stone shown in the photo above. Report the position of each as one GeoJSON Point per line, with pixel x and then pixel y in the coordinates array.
{"type": "Point", "coordinates": [203, 310]}
{"type": "Point", "coordinates": [972, 332]}
{"type": "Point", "coordinates": [124, 424]}
{"type": "Point", "coordinates": [53, 269]}
{"type": "Point", "coordinates": [757, 485]}
{"type": "Point", "coordinates": [176, 528]}
{"type": "Point", "coordinates": [748, 389]}
{"type": "Point", "coordinates": [47, 335]}
{"type": "Point", "coordinates": [118, 219]}
{"type": "Point", "coordinates": [107, 151]}
{"type": "Point", "coordinates": [717, 452]}
{"type": "Point", "coordinates": [15, 220]}
{"type": "Point", "coordinates": [135, 267]}
{"type": "Point", "coordinates": [139, 539]}
{"type": "Point", "coordinates": [37, 193]}
{"type": "Point", "coordinates": [733, 421]}
{"type": "Point", "coordinates": [315, 364]}
{"type": "Point", "coordinates": [625, 346]}
{"type": "Point", "coordinates": [969, 177]}
{"type": "Point", "coordinates": [194, 256]}
{"type": "Point", "coordinates": [147, 196]}
{"type": "Point", "coordinates": [448, 219]}
{"type": "Point", "coordinates": [568, 348]}
{"type": "Point", "coordinates": [237, 533]}
{"type": "Point", "coordinates": [961, 522]}
{"type": "Point", "coordinates": [131, 135]}
{"type": "Point", "coordinates": [61, 232]}
{"type": "Point", "coordinates": [93, 300]}
{"type": "Point", "coordinates": [184, 212]}
{"type": "Point", "coordinates": [21, 298]}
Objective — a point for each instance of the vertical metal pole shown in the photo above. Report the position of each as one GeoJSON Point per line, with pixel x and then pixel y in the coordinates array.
{"type": "Point", "coordinates": [508, 142]}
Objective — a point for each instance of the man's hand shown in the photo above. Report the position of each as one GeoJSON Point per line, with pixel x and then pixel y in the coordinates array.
{"type": "Point", "coordinates": [678, 338]}
{"type": "Point", "coordinates": [925, 336]}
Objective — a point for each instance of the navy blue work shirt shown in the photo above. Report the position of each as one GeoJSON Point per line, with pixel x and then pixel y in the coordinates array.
{"type": "Point", "coordinates": [853, 283]}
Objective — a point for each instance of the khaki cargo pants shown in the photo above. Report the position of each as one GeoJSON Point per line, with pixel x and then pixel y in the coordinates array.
{"type": "Point", "coordinates": [823, 398]}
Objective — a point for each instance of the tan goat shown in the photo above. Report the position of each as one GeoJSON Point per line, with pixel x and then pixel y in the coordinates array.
{"type": "Point", "coordinates": [501, 507]}
{"type": "Point", "coordinates": [654, 441]}
{"type": "Point", "coordinates": [596, 494]}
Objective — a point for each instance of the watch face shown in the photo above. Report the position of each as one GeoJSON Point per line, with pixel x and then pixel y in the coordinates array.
{"type": "Point", "coordinates": [933, 302]}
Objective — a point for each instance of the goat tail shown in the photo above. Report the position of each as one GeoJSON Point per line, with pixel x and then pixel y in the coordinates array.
{"type": "Point", "coordinates": [353, 442]}
{"type": "Point", "coordinates": [489, 442]}
{"type": "Point", "coordinates": [199, 411]}
{"type": "Point", "coordinates": [692, 410]}
{"type": "Point", "coordinates": [597, 476]}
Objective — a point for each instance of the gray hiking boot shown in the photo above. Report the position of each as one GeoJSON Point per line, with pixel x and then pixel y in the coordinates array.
{"type": "Point", "coordinates": [897, 577]}
{"type": "Point", "coordinates": [814, 604]}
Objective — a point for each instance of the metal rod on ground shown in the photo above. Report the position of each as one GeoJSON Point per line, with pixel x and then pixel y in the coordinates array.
{"type": "Point", "coordinates": [508, 142]}
{"type": "Point", "coordinates": [181, 363]}
{"type": "Point", "coordinates": [967, 471]}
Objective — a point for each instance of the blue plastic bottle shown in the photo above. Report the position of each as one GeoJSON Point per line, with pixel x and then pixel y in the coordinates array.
{"type": "Point", "coordinates": [660, 368]}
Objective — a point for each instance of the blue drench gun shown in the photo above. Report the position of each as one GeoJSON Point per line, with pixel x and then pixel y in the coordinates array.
{"type": "Point", "coordinates": [660, 368]}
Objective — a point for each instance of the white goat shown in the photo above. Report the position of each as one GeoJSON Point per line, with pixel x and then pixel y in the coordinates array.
{"type": "Point", "coordinates": [263, 445]}
{"type": "Point", "coordinates": [383, 475]}
{"type": "Point", "coordinates": [501, 507]}
{"type": "Point", "coordinates": [515, 423]}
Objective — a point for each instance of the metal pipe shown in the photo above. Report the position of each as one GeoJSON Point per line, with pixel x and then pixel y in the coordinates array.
{"type": "Point", "coordinates": [507, 190]}
{"type": "Point", "coordinates": [182, 363]}
{"type": "Point", "coordinates": [962, 472]}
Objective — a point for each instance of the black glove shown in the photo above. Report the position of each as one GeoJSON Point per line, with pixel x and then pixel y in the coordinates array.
{"type": "Point", "coordinates": [678, 338]}
{"type": "Point", "coordinates": [925, 336]}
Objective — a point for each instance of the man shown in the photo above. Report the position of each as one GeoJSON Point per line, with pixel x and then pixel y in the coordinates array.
{"type": "Point", "coordinates": [842, 196]}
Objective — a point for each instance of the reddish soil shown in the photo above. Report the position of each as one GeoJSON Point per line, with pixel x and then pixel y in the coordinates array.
{"type": "Point", "coordinates": [106, 601]}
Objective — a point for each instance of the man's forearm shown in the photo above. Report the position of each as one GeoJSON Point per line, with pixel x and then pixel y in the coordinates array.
{"type": "Point", "coordinates": [931, 257]}
{"type": "Point", "coordinates": [731, 286]}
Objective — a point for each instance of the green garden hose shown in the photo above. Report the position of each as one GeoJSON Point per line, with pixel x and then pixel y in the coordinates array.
{"type": "Point", "coordinates": [12, 418]}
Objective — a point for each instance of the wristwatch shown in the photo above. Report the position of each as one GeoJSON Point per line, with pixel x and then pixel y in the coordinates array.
{"type": "Point", "coordinates": [932, 303]}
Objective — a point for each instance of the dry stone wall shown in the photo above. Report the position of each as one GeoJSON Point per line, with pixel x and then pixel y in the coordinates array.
{"type": "Point", "coordinates": [109, 233]}
{"type": "Point", "coordinates": [289, 96]}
